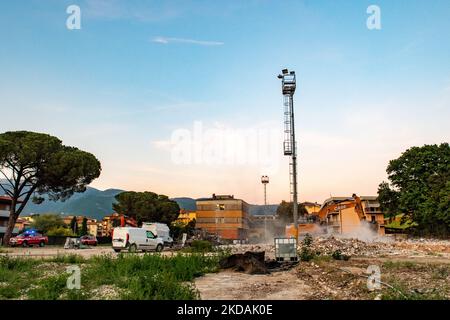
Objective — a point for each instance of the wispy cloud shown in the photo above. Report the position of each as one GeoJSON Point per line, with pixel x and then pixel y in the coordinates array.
{"type": "Point", "coordinates": [167, 40]}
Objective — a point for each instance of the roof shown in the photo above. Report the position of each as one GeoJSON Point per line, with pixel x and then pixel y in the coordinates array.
{"type": "Point", "coordinates": [307, 203]}
{"type": "Point", "coordinates": [220, 198]}
{"type": "Point", "coordinates": [341, 199]}
{"type": "Point", "coordinates": [7, 199]}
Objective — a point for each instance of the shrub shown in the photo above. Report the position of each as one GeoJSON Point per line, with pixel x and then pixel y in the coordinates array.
{"type": "Point", "coordinates": [201, 246]}
{"type": "Point", "coordinates": [337, 255]}
{"type": "Point", "coordinates": [68, 258]}
{"type": "Point", "coordinates": [60, 231]}
{"type": "Point", "coordinates": [306, 253]}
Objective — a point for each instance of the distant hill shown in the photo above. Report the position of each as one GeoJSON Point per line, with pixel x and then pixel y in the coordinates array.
{"type": "Point", "coordinates": [256, 209]}
{"type": "Point", "coordinates": [93, 203]}
{"type": "Point", "coordinates": [186, 203]}
{"type": "Point", "coordinates": [96, 204]}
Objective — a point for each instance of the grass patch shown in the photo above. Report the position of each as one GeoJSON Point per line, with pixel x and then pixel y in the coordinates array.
{"type": "Point", "coordinates": [15, 275]}
{"type": "Point", "coordinates": [401, 265]}
{"type": "Point", "coordinates": [150, 276]}
{"type": "Point", "coordinates": [199, 246]}
{"type": "Point", "coordinates": [68, 259]}
{"type": "Point", "coordinates": [136, 277]}
{"type": "Point", "coordinates": [403, 293]}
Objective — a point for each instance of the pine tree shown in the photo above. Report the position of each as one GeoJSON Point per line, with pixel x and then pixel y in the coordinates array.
{"type": "Point", "coordinates": [84, 229]}
{"type": "Point", "coordinates": [74, 225]}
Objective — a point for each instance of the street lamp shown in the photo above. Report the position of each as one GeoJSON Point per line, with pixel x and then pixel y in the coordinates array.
{"type": "Point", "coordinates": [265, 181]}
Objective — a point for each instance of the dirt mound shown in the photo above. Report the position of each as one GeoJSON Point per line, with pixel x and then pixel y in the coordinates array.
{"type": "Point", "coordinates": [248, 262]}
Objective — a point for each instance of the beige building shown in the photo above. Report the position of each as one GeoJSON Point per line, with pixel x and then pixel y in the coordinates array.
{"type": "Point", "coordinates": [311, 207]}
{"type": "Point", "coordinates": [348, 214]}
{"type": "Point", "coordinates": [91, 224]}
{"type": "Point", "coordinates": [223, 215]}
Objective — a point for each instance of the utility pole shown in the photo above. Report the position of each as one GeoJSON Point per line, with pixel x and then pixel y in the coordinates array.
{"type": "Point", "coordinates": [288, 86]}
{"type": "Point", "coordinates": [265, 181]}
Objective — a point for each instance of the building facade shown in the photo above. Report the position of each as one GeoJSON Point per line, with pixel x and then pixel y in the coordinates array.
{"type": "Point", "coordinates": [311, 207]}
{"type": "Point", "coordinates": [224, 216]}
{"type": "Point", "coordinates": [5, 207]}
{"type": "Point", "coordinates": [185, 217]}
{"type": "Point", "coordinates": [344, 218]}
{"type": "Point", "coordinates": [91, 224]}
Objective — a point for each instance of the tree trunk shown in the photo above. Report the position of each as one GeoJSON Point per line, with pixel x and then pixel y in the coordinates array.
{"type": "Point", "coordinates": [11, 222]}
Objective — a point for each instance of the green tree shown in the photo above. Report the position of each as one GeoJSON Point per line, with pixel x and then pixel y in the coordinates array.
{"type": "Point", "coordinates": [45, 222]}
{"type": "Point", "coordinates": [84, 227]}
{"type": "Point", "coordinates": [285, 211]}
{"type": "Point", "coordinates": [74, 225]}
{"type": "Point", "coordinates": [419, 187]}
{"type": "Point", "coordinates": [60, 231]}
{"type": "Point", "coordinates": [147, 207]}
{"type": "Point", "coordinates": [37, 164]}
{"type": "Point", "coordinates": [388, 199]}
{"type": "Point", "coordinates": [177, 229]}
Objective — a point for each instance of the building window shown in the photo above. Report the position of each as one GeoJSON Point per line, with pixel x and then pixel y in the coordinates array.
{"type": "Point", "coordinates": [373, 219]}
{"type": "Point", "coordinates": [221, 207]}
{"type": "Point", "coordinates": [5, 207]}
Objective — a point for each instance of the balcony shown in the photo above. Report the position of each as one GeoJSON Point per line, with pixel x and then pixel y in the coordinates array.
{"type": "Point", "coordinates": [4, 214]}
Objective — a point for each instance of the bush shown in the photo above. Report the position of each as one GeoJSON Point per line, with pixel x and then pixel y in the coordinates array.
{"type": "Point", "coordinates": [306, 253]}
{"type": "Point", "coordinates": [46, 222]}
{"type": "Point", "coordinates": [337, 255]}
{"type": "Point", "coordinates": [201, 246]}
{"type": "Point", "coordinates": [60, 231]}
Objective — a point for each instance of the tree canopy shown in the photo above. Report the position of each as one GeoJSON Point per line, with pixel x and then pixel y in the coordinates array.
{"type": "Point", "coordinates": [285, 211]}
{"type": "Point", "coordinates": [36, 164]}
{"type": "Point", "coordinates": [147, 207]}
{"type": "Point", "coordinates": [46, 222]}
{"type": "Point", "coordinates": [419, 187]}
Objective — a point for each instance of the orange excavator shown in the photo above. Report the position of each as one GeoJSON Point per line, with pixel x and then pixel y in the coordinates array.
{"type": "Point", "coordinates": [344, 204]}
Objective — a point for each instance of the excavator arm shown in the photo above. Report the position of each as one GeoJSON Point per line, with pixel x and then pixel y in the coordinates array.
{"type": "Point", "coordinates": [356, 202]}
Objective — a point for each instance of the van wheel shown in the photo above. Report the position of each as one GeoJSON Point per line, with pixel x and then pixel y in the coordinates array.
{"type": "Point", "coordinates": [24, 244]}
{"type": "Point", "coordinates": [117, 250]}
{"type": "Point", "coordinates": [159, 248]}
{"type": "Point", "coordinates": [41, 244]}
{"type": "Point", "coordinates": [132, 248]}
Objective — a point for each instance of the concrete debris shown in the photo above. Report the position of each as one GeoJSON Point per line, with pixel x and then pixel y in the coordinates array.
{"type": "Point", "coordinates": [355, 247]}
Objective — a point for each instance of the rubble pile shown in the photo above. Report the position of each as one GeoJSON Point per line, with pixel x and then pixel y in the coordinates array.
{"type": "Point", "coordinates": [355, 247]}
{"type": "Point", "coordinates": [349, 247]}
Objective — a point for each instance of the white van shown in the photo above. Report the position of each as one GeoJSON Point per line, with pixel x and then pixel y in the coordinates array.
{"type": "Point", "coordinates": [134, 239]}
{"type": "Point", "coordinates": [161, 230]}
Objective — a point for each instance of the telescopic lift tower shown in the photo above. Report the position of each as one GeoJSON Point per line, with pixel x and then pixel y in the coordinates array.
{"type": "Point", "coordinates": [288, 86]}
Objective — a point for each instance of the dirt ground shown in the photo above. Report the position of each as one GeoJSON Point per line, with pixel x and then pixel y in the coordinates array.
{"type": "Point", "coordinates": [53, 251]}
{"type": "Point", "coordinates": [418, 269]}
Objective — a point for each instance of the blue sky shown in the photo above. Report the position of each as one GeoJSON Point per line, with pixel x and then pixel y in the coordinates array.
{"type": "Point", "coordinates": [138, 71]}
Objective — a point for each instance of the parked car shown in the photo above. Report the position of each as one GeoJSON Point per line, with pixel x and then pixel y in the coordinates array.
{"type": "Point", "coordinates": [28, 239]}
{"type": "Point", "coordinates": [134, 239]}
{"type": "Point", "coordinates": [161, 230]}
{"type": "Point", "coordinates": [89, 240]}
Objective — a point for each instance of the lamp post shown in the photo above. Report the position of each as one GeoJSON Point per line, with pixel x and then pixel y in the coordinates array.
{"type": "Point", "coordinates": [265, 181]}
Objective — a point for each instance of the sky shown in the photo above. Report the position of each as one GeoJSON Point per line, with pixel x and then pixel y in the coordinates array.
{"type": "Point", "coordinates": [182, 97]}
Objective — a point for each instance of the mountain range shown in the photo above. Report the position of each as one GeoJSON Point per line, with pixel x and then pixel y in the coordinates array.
{"type": "Point", "coordinates": [96, 204]}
